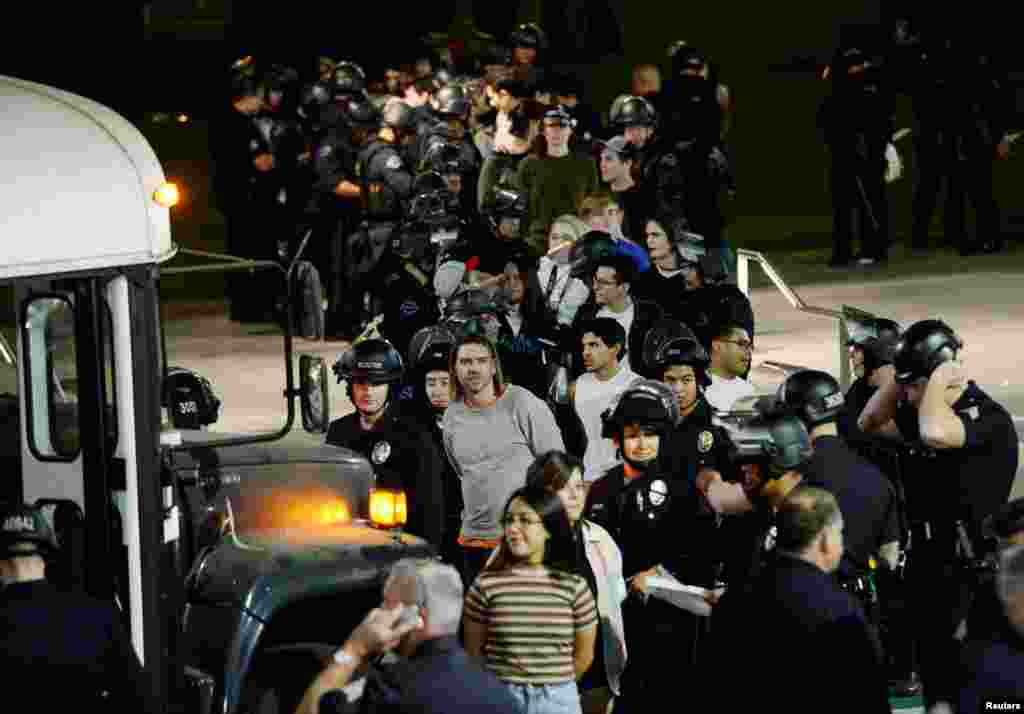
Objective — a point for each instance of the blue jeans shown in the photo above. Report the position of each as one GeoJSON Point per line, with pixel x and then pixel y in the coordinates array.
{"type": "Point", "coordinates": [547, 698]}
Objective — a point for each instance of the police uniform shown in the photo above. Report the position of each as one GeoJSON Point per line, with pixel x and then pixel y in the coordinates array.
{"type": "Point", "coordinates": [246, 198]}
{"type": "Point", "coordinates": [651, 518]}
{"type": "Point", "coordinates": [962, 108]}
{"type": "Point", "coordinates": [866, 499]}
{"type": "Point", "coordinates": [65, 640]}
{"type": "Point", "coordinates": [943, 487]}
{"type": "Point", "coordinates": [333, 159]}
{"type": "Point", "coordinates": [695, 444]}
{"type": "Point", "coordinates": [857, 121]}
{"type": "Point", "coordinates": [403, 457]}
{"type": "Point", "coordinates": [407, 298]}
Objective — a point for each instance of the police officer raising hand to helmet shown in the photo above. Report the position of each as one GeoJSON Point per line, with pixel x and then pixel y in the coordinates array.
{"type": "Point", "coordinates": [403, 456]}
{"type": "Point", "coordinates": [965, 447]}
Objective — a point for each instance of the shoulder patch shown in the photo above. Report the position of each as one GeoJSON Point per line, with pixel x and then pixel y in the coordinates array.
{"type": "Point", "coordinates": [325, 151]}
{"type": "Point", "coordinates": [393, 163]}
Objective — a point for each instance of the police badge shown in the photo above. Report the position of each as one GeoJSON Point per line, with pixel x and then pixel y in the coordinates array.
{"type": "Point", "coordinates": [381, 452]}
{"type": "Point", "coordinates": [658, 492]}
{"type": "Point", "coordinates": [705, 441]}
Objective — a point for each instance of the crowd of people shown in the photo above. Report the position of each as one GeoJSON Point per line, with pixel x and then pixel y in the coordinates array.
{"type": "Point", "coordinates": [559, 381]}
{"type": "Point", "coordinates": [560, 347]}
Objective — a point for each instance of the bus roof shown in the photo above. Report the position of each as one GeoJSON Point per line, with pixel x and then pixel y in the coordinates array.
{"type": "Point", "coordinates": [77, 186]}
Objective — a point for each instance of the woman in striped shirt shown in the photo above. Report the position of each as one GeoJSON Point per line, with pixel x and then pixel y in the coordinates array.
{"type": "Point", "coordinates": [529, 614]}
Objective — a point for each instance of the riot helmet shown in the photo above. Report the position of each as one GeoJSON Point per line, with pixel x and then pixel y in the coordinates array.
{"type": "Point", "coordinates": [584, 253]}
{"type": "Point", "coordinates": [314, 97]}
{"type": "Point", "coordinates": [348, 79]}
{"type": "Point", "coordinates": [646, 402]}
{"type": "Point", "coordinates": [876, 338]}
{"type": "Point", "coordinates": [686, 59]}
{"type": "Point", "coordinates": [528, 35]}
{"type": "Point", "coordinates": [922, 348]}
{"type": "Point", "coordinates": [451, 102]}
{"type": "Point", "coordinates": [628, 110]}
{"type": "Point", "coordinates": [430, 348]}
{"type": "Point", "coordinates": [432, 203]}
{"type": "Point", "coordinates": [812, 395]}
{"type": "Point", "coordinates": [670, 342]}
{"type": "Point", "coordinates": [374, 360]}
{"type": "Point", "coordinates": [769, 438]}
{"type": "Point", "coordinates": [24, 530]}
{"type": "Point", "coordinates": [444, 158]}
{"type": "Point", "coordinates": [189, 399]}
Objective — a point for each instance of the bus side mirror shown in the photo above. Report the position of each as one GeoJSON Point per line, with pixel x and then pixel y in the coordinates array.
{"type": "Point", "coordinates": [314, 389]}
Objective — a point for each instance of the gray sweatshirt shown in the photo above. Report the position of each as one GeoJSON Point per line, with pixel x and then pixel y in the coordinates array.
{"type": "Point", "coordinates": [491, 449]}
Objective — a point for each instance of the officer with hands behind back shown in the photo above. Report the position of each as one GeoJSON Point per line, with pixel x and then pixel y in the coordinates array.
{"type": "Point", "coordinates": [403, 456]}
{"type": "Point", "coordinates": [966, 447]}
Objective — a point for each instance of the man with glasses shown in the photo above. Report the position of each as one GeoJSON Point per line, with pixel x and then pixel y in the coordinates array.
{"type": "Point", "coordinates": [731, 351]}
{"type": "Point", "coordinates": [610, 286]}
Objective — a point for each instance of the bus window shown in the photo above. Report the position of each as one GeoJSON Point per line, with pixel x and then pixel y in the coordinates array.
{"type": "Point", "coordinates": [51, 380]}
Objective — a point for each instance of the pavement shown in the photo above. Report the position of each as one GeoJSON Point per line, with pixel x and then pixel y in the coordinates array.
{"type": "Point", "coordinates": [244, 363]}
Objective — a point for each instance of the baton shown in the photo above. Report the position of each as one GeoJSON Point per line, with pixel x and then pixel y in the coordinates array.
{"type": "Point", "coordinates": [867, 203]}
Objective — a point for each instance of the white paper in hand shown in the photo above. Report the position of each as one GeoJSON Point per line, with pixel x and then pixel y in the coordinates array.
{"type": "Point", "coordinates": [687, 597]}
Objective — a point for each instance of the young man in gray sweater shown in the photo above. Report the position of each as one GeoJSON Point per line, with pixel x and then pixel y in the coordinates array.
{"type": "Point", "coordinates": [492, 433]}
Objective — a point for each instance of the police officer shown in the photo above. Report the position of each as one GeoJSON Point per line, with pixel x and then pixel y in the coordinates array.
{"type": "Point", "coordinates": [962, 106]}
{"type": "Point", "coordinates": [503, 213]}
{"type": "Point", "coordinates": [402, 456]}
{"type": "Point", "coordinates": [649, 514]}
{"type": "Point", "coordinates": [966, 447]}
{"type": "Point", "coordinates": [681, 362]}
{"type": "Point", "coordinates": [857, 122]}
{"type": "Point", "coordinates": [68, 640]}
{"type": "Point", "coordinates": [866, 497]}
{"type": "Point", "coordinates": [430, 367]}
{"type": "Point", "coordinates": [872, 343]}
{"type": "Point", "coordinates": [340, 195]}
{"type": "Point", "coordinates": [245, 190]}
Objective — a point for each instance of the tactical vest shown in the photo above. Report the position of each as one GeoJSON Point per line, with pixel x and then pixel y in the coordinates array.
{"type": "Point", "coordinates": [380, 201]}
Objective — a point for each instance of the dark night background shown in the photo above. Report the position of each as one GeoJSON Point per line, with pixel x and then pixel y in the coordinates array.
{"type": "Point", "coordinates": [769, 53]}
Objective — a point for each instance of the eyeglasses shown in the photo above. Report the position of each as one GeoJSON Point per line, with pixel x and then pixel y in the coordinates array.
{"type": "Point", "coordinates": [523, 521]}
{"type": "Point", "coordinates": [746, 345]}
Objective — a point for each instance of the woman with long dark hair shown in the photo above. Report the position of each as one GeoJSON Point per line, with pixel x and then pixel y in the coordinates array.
{"type": "Point", "coordinates": [529, 614]}
{"type": "Point", "coordinates": [600, 560]}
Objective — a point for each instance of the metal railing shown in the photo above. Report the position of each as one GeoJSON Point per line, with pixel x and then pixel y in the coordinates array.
{"type": "Point", "coordinates": [743, 260]}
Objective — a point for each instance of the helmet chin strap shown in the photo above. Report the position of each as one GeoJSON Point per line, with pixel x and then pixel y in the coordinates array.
{"type": "Point", "coordinates": [641, 466]}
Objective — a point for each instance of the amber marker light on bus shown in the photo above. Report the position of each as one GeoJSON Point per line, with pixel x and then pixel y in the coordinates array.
{"type": "Point", "coordinates": [388, 509]}
{"type": "Point", "coordinates": [167, 195]}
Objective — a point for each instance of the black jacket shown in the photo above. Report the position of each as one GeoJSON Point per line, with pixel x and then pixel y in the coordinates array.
{"type": "Point", "coordinates": [440, 678]}
{"type": "Point", "coordinates": [403, 456]}
{"type": "Point", "coordinates": [72, 645]}
{"type": "Point", "coordinates": [811, 643]}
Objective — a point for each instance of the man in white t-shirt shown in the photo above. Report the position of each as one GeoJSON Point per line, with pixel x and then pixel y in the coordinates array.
{"type": "Point", "coordinates": [598, 388]}
{"type": "Point", "coordinates": [731, 350]}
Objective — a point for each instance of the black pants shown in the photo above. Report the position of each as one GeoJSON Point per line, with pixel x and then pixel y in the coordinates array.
{"type": "Point", "coordinates": [859, 203]}
{"type": "Point", "coordinates": [940, 598]}
{"type": "Point", "coordinates": [966, 177]}
{"type": "Point", "coordinates": [661, 644]}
